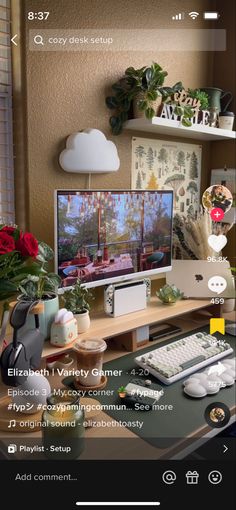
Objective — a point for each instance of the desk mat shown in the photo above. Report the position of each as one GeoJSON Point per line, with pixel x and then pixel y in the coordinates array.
{"type": "Point", "coordinates": [163, 428]}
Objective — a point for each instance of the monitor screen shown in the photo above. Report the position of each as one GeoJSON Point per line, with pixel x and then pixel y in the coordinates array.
{"type": "Point", "coordinates": [110, 236]}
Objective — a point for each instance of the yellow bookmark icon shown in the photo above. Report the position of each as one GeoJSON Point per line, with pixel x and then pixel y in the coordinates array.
{"type": "Point", "coordinates": [217, 325]}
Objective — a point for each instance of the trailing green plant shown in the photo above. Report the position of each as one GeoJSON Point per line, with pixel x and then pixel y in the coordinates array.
{"type": "Point", "coordinates": [77, 299]}
{"type": "Point", "coordinates": [145, 84]}
{"type": "Point", "coordinates": [185, 112]}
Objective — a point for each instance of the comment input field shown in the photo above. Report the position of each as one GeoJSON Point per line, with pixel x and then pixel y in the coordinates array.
{"type": "Point", "coordinates": [127, 40]}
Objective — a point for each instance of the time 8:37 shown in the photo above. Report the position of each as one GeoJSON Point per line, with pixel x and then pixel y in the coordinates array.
{"type": "Point", "coordinates": [38, 15]}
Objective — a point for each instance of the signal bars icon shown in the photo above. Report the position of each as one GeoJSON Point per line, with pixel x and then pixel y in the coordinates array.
{"type": "Point", "coordinates": [178, 16]}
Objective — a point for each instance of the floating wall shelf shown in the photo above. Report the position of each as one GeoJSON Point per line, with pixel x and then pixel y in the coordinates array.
{"type": "Point", "coordinates": [168, 127]}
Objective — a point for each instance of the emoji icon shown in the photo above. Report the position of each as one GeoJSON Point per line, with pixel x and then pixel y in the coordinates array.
{"type": "Point", "coordinates": [215, 477]}
{"type": "Point", "coordinates": [122, 392]}
{"type": "Point", "coordinates": [217, 242]}
{"type": "Point", "coordinates": [217, 284]}
{"type": "Point", "coordinates": [217, 325]}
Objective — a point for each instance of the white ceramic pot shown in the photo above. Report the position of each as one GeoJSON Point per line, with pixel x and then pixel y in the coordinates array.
{"type": "Point", "coordinates": [83, 321]}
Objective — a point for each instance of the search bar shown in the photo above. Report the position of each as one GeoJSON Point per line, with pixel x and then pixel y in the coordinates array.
{"type": "Point", "coordinates": [127, 40]}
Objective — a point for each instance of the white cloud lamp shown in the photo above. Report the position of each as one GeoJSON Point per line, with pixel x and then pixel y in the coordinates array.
{"type": "Point", "coordinates": [89, 152]}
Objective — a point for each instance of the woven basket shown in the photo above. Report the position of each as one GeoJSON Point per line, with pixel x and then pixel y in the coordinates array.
{"type": "Point", "coordinates": [139, 114]}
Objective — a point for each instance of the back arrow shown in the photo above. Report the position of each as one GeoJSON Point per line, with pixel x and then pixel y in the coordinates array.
{"type": "Point", "coordinates": [13, 39]}
{"type": "Point", "coordinates": [225, 448]}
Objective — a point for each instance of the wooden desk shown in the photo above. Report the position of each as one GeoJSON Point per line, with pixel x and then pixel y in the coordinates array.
{"type": "Point", "coordinates": [124, 329]}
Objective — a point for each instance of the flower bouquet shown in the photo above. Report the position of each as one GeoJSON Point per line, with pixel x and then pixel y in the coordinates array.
{"type": "Point", "coordinates": [21, 255]}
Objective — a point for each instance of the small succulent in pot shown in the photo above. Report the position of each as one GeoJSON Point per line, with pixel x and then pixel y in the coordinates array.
{"type": "Point", "coordinates": [169, 294]}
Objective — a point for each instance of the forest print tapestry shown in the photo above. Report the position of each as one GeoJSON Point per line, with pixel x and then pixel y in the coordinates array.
{"type": "Point", "coordinates": [161, 164]}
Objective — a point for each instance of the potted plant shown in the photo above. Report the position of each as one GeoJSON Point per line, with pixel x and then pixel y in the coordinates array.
{"type": "Point", "coordinates": [22, 256]}
{"type": "Point", "coordinates": [169, 294]}
{"type": "Point", "coordinates": [77, 300]}
{"type": "Point", "coordinates": [141, 89]}
{"type": "Point", "coordinates": [43, 287]}
{"type": "Point", "coordinates": [201, 96]}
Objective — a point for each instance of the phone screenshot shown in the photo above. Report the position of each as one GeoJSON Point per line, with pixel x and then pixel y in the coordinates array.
{"type": "Point", "coordinates": [117, 253]}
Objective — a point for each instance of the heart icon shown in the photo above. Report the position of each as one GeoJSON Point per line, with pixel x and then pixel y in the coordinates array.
{"type": "Point", "coordinates": [217, 242]}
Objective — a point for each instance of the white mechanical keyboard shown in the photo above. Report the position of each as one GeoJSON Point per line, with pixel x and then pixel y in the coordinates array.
{"type": "Point", "coordinates": [183, 357]}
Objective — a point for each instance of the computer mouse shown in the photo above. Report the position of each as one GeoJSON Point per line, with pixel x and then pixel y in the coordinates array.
{"type": "Point", "coordinates": [195, 390]}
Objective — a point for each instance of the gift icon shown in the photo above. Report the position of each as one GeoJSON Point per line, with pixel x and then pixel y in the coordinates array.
{"type": "Point", "coordinates": [192, 477]}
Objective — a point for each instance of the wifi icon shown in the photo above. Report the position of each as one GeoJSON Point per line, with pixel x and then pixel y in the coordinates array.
{"type": "Point", "coordinates": [193, 14]}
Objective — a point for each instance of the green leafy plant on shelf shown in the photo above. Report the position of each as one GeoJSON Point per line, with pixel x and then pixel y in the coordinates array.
{"type": "Point", "coordinates": [77, 299]}
{"type": "Point", "coordinates": [145, 85]}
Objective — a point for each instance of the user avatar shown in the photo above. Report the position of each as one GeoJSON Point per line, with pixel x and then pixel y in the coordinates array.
{"type": "Point", "coordinates": [217, 196]}
{"type": "Point", "coordinates": [217, 414]}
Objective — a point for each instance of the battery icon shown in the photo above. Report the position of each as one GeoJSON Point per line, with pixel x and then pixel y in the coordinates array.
{"type": "Point", "coordinates": [211, 15]}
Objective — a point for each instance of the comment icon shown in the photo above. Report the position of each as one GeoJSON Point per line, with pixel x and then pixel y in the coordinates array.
{"type": "Point", "coordinates": [217, 284]}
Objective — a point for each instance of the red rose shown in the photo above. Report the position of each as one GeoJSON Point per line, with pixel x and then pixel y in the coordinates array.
{"type": "Point", "coordinates": [7, 243]}
{"type": "Point", "coordinates": [8, 230]}
{"type": "Point", "coordinates": [27, 245]}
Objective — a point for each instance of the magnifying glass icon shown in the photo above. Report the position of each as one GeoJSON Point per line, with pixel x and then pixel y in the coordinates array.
{"type": "Point", "coordinates": [38, 39]}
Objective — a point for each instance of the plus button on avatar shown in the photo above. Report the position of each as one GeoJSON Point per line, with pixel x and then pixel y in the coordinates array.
{"type": "Point", "coordinates": [217, 214]}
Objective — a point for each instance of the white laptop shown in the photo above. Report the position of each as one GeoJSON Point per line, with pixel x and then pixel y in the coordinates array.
{"type": "Point", "coordinates": [192, 276]}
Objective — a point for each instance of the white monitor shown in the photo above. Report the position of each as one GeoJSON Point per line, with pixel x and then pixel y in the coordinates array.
{"type": "Point", "coordinates": [103, 237]}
